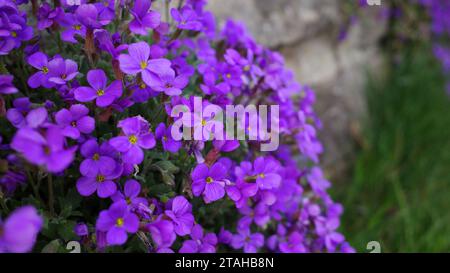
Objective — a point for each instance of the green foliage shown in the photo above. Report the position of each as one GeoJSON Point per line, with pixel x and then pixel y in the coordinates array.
{"type": "Point", "coordinates": [400, 190]}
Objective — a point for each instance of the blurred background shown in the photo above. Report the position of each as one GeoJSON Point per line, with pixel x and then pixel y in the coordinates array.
{"type": "Point", "coordinates": [383, 100]}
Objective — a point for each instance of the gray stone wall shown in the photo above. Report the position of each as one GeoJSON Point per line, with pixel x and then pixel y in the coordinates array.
{"type": "Point", "coordinates": [305, 32]}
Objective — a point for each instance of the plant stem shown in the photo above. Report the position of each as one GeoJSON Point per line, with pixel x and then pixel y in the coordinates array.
{"type": "Point", "coordinates": [3, 203]}
{"type": "Point", "coordinates": [51, 199]}
{"type": "Point", "coordinates": [33, 185]}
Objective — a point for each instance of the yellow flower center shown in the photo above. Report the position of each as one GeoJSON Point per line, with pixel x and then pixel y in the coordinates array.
{"type": "Point", "coordinates": [262, 175]}
{"type": "Point", "coordinates": [100, 92]}
{"type": "Point", "coordinates": [63, 76]}
{"type": "Point", "coordinates": [142, 86]}
{"type": "Point", "coordinates": [96, 157]}
{"type": "Point", "coordinates": [209, 179]}
{"type": "Point", "coordinates": [119, 222]}
{"type": "Point", "coordinates": [77, 27]}
{"type": "Point", "coordinates": [228, 76]}
{"type": "Point", "coordinates": [100, 178]}
{"type": "Point", "coordinates": [247, 68]}
{"type": "Point", "coordinates": [128, 200]}
{"type": "Point", "coordinates": [144, 65]}
{"type": "Point", "coordinates": [13, 33]}
{"type": "Point", "coordinates": [45, 70]}
{"type": "Point", "coordinates": [203, 122]}
{"type": "Point", "coordinates": [106, 3]}
{"type": "Point", "coordinates": [133, 139]}
{"type": "Point", "coordinates": [73, 123]}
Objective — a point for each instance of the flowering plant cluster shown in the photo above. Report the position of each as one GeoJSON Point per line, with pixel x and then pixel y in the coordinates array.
{"type": "Point", "coordinates": [87, 152]}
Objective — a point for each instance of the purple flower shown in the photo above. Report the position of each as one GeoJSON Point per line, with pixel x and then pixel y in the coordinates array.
{"type": "Point", "coordinates": [294, 244]}
{"type": "Point", "coordinates": [209, 182]}
{"type": "Point", "coordinates": [47, 15]}
{"type": "Point", "coordinates": [99, 91]}
{"type": "Point", "coordinates": [19, 230]}
{"type": "Point", "coordinates": [225, 236]}
{"type": "Point", "coordinates": [250, 242]}
{"type": "Point", "coordinates": [137, 136]}
{"type": "Point", "coordinates": [14, 30]}
{"type": "Point", "coordinates": [163, 235]}
{"type": "Point", "coordinates": [34, 119]}
{"type": "Point", "coordinates": [106, 11]}
{"type": "Point", "coordinates": [186, 18]}
{"type": "Point", "coordinates": [143, 19]}
{"type": "Point", "coordinates": [168, 83]}
{"type": "Point", "coordinates": [200, 243]}
{"type": "Point", "coordinates": [164, 134]}
{"type": "Point", "coordinates": [62, 71]}
{"type": "Point", "coordinates": [180, 212]}
{"type": "Point", "coordinates": [98, 158]}
{"type": "Point", "coordinates": [16, 115]}
{"type": "Point", "coordinates": [265, 170]}
{"type": "Point", "coordinates": [71, 27]}
{"type": "Point", "coordinates": [75, 121]}
{"type": "Point", "coordinates": [41, 78]}
{"type": "Point", "coordinates": [259, 214]}
{"type": "Point", "coordinates": [47, 150]}
{"type": "Point", "coordinates": [6, 85]}
{"type": "Point", "coordinates": [130, 194]}
{"type": "Point", "coordinates": [87, 15]}
{"type": "Point", "coordinates": [81, 229]}
{"type": "Point", "coordinates": [100, 182]}
{"type": "Point", "coordinates": [137, 61]}
{"type": "Point", "coordinates": [117, 221]}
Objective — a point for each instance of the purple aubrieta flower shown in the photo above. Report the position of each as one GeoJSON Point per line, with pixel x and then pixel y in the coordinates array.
{"type": "Point", "coordinates": [19, 230]}
{"type": "Point", "coordinates": [117, 221]}
{"type": "Point", "coordinates": [87, 15]}
{"type": "Point", "coordinates": [16, 115]}
{"type": "Point", "coordinates": [186, 18]}
{"type": "Point", "coordinates": [47, 15]}
{"type": "Point", "coordinates": [98, 158]}
{"type": "Point", "coordinates": [130, 194]}
{"type": "Point", "coordinates": [248, 241]}
{"type": "Point", "coordinates": [35, 118]}
{"type": "Point", "coordinates": [164, 134]}
{"type": "Point", "coordinates": [99, 91]}
{"type": "Point", "coordinates": [62, 71]}
{"type": "Point", "coordinates": [41, 78]}
{"type": "Point", "coordinates": [137, 61]}
{"type": "Point", "coordinates": [163, 235]}
{"type": "Point", "coordinates": [71, 27]}
{"type": "Point", "coordinates": [200, 243]}
{"type": "Point", "coordinates": [180, 212]}
{"type": "Point", "coordinates": [14, 31]}
{"type": "Point", "coordinates": [106, 11]}
{"type": "Point", "coordinates": [6, 85]}
{"type": "Point", "coordinates": [168, 83]}
{"type": "Point", "coordinates": [209, 182]}
{"type": "Point", "coordinates": [100, 182]}
{"type": "Point", "coordinates": [294, 244]}
{"type": "Point", "coordinates": [137, 136]}
{"type": "Point", "coordinates": [259, 214]}
{"type": "Point", "coordinates": [265, 170]}
{"type": "Point", "coordinates": [46, 149]}
{"type": "Point", "coordinates": [143, 18]}
{"type": "Point", "coordinates": [75, 121]}
{"type": "Point", "coordinates": [81, 229]}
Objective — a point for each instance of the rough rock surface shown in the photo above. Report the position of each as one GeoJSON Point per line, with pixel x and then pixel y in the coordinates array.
{"type": "Point", "coordinates": [305, 31]}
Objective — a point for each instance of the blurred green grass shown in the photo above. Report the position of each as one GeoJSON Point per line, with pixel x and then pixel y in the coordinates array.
{"type": "Point", "coordinates": [399, 194]}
